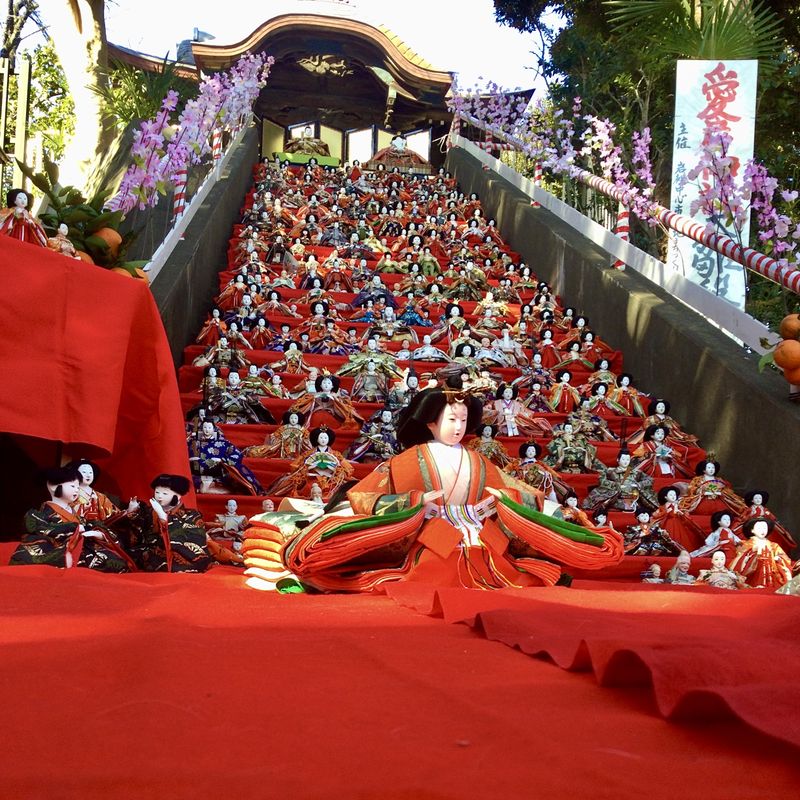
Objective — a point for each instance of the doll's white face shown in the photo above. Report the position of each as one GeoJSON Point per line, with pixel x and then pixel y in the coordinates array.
{"type": "Point", "coordinates": [208, 429]}
{"type": "Point", "coordinates": [600, 391]}
{"type": "Point", "coordinates": [536, 388]}
{"type": "Point", "coordinates": [326, 384]}
{"type": "Point", "coordinates": [231, 506]}
{"type": "Point", "coordinates": [683, 562]}
{"type": "Point", "coordinates": [21, 200]}
{"type": "Point", "coordinates": [323, 439]}
{"type": "Point", "coordinates": [234, 327]}
{"type": "Point", "coordinates": [276, 380]}
{"type": "Point", "coordinates": [262, 323]}
{"type": "Point", "coordinates": [451, 424]}
{"type": "Point", "coordinates": [672, 496]}
{"type": "Point", "coordinates": [252, 370]}
{"type": "Point", "coordinates": [386, 416]}
{"type": "Point", "coordinates": [212, 372]}
{"type": "Point", "coordinates": [466, 350]}
{"type": "Point", "coordinates": [725, 521]}
{"type": "Point", "coordinates": [643, 517]}
{"type": "Point", "coordinates": [372, 344]}
{"type": "Point", "coordinates": [709, 470]}
{"type": "Point", "coordinates": [624, 459]}
{"type": "Point", "coordinates": [624, 381]}
{"type": "Point", "coordinates": [412, 381]}
{"type": "Point", "coordinates": [758, 500]}
{"type": "Point", "coordinates": [661, 408]}
{"type": "Point", "coordinates": [655, 570]}
{"type": "Point", "coordinates": [567, 427]}
{"type": "Point", "coordinates": [600, 519]}
{"type": "Point", "coordinates": [370, 366]}
{"type": "Point", "coordinates": [530, 453]}
{"type": "Point", "coordinates": [247, 301]}
{"type": "Point", "coordinates": [718, 560]}
{"type": "Point", "coordinates": [565, 378]}
{"type": "Point", "coordinates": [508, 393]}
{"type": "Point", "coordinates": [87, 474]}
{"type": "Point", "coordinates": [658, 435]}
{"type": "Point", "coordinates": [163, 496]}
{"type": "Point", "coordinates": [233, 378]}
{"type": "Point", "coordinates": [572, 502]}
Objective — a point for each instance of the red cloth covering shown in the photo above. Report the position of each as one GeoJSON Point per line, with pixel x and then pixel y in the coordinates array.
{"type": "Point", "coordinates": [86, 362]}
{"type": "Point", "coordinates": [704, 651]}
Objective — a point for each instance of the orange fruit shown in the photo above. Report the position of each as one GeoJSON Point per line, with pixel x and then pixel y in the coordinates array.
{"type": "Point", "coordinates": [112, 239]}
{"type": "Point", "coordinates": [792, 376]}
{"type": "Point", "coordinates": [84, 256]}
{"type": "Point", "coordinates": [790, 326]}
{"type": "Point", "coordinates": [787, 354]}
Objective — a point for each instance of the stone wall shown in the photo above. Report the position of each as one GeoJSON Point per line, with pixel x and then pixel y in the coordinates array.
{"type": "Point", "coordinates": [185, 287]}
{"type": "Point", "coordinates": [714, 386]}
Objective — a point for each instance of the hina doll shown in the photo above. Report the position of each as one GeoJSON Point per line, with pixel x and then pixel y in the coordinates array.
{"type": "Point", "coordinates": [292, 362]}
{"type": "Point", "coordinates": [222, 356]}
{"type": "Point", "coordinates": [535, 373]}
{"type": "Point", "coordinates": [370, 386]}
{"type": "Point", "coordinates": [214, 458]}
{"type": "Point", "coordinates": [429, 352]}
{"type": "Point", "coordinates": [56, 536]}
{"type": "Point", "coordinates": [602, 374]}
{"type": "Point", "coordinates": [529, 469]}
{"type": "Point", "coordinates": [255, 385]}
{"type": "Point", "coordinates": [167, 536]}
{"type": "Point", "coordinates": [675, 521]}
{"type": "Point", "coordinates": [625, 394]}
{"type": "Point", "coordinates": [570, 451]}
{"type": "Point", "coordinates": [573, 359]}
{"type": "Point", "coordinates": [622, 487]}
{"type": "Point", "coordinates": [548, 350]}
{"type": "Point", "coordinates": [17, 221]}
{"type": "Point", "coordinates": [319, 464]}
{"type": "Point", "coordinates": [377, 440]}
{"type": "Point", "coordinates": [237, 405]}
{"type": "Point", "coordinates": [563, 397]}
{"type": "Point", "coordinates": [571, 512]}
{"type": "Point", "coordinates": [658, 414]}
{"type": "Point", "coordinates": [486, 444]}
{"type": "Point", "coordinates": [589, 424]}
{"type": "Point", "coordinates": [213, 328]}
{"type": "Point", "coordinates": [274, 306]}
{"type": "Point", "coordinates": [756, 502]}
{"type": "Point", "coordinates": [261, 336]}
{"type": "Point", "coordinates": [648, 538]}
{"type": "Point", "coordinates": [602, 405]}
{"type": "Point", "coordinates": [536, 401]}
{"type": "Point", "coordinates": [512, 418]}
{"type": "Point", "coordinates": [721, 537]}
{"type": "Point", "coordinates": [719, 576]}
{"type": "Point", "coordinates": [91, 505]}
{"type": "Point", "coordinates": [287, 441]}
{"type": "Point", "coordinates": [328, 397]}
{"type": "Point", "coordinates": [657, 456]}
{"type": "Point", "coordinates": [679, 574]}
{"type": "Point", "coordinates": [441, 513]}
{"type": "Point", "coordinates": [403, 392]}
{"type": "Point", "coordinates": [762, 563]}
{"type": "Point", "coordinates": [707, 492]}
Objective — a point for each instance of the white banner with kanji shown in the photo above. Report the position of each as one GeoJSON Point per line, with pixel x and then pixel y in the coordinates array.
{"type": "Point", "coordinates": [717, 95]}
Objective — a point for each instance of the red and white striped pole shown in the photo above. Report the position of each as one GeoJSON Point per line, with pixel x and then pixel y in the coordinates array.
{"type": "Point", "coordinates": [179, 195]}
{"type": "Point", "coordinates": [455, 130]}
{"type": "Point", "coordinates": [216, 145]}
{"type": "Point", "coordinates": [537, 181]}
{"type": "Point", "coordinates": [623, 230]}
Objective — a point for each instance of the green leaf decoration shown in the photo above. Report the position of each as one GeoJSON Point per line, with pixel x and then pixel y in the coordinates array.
{"type": "Point", "coordinates": [765, 360]}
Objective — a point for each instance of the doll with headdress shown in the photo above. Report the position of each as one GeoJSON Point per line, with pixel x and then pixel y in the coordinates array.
{"type": "Point", "coordinates": [320, 464]}
{"type": "Point", "coordinates": [442, 513]}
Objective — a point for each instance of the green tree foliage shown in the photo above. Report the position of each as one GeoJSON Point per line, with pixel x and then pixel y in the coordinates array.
{"type": "Point", "coordinates": [627, 74]}
{"type": "Point", "coordinates": [52, 109]}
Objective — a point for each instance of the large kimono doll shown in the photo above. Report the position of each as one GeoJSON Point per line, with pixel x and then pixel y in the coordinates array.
{"type": "Point", "coordinates": [439, 513]}
{"type": "Point", "coordinates": [56, 536]}
{"type": "Point", "coordinates": [165, 535]}
{"type": "Point", "coordinates": [215, 460]}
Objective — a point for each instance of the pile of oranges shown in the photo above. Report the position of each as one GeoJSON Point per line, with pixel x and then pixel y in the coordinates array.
{"type": "Point", "coordinates": [786, 354]}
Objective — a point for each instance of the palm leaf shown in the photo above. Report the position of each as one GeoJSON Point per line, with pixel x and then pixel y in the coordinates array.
{"type": "Point", "coordinates": [724, 31]}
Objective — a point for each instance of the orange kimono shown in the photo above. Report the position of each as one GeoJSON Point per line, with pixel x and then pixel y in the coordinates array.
{"type": "Point", "coordinates": [394, 537]}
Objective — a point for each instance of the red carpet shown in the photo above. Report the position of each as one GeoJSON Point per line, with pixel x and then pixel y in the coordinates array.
{"type": "Point", "coordinates": [191, 686]}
